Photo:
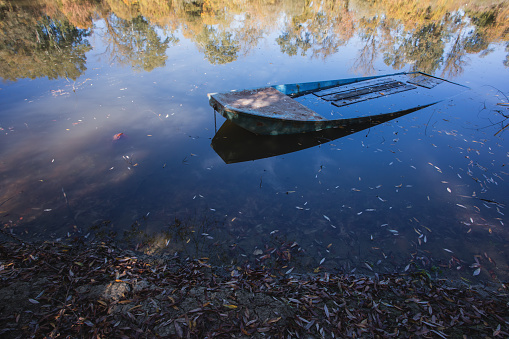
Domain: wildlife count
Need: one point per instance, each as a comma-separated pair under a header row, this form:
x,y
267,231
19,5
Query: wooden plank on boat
x,y
266,102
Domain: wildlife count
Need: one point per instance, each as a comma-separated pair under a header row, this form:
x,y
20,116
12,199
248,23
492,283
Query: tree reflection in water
x,y
34,45
41,38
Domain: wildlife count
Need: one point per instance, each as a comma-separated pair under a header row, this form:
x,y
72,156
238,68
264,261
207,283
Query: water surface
x,y
105,121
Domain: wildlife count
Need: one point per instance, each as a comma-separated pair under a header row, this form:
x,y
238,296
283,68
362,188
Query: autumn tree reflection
x,y
219,47
136,43
321,28
33,45
48,37
424,49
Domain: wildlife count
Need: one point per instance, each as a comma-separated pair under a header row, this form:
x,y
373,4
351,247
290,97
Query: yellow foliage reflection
x,y
428,35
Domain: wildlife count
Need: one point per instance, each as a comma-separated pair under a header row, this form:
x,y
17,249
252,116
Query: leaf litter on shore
x,y
116,293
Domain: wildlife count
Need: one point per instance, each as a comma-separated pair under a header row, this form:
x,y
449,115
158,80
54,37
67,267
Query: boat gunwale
x,y
287,90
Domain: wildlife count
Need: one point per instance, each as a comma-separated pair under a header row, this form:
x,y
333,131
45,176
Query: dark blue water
x,y
426,190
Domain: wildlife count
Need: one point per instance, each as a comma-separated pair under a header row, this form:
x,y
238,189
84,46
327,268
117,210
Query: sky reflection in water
x,y
427,189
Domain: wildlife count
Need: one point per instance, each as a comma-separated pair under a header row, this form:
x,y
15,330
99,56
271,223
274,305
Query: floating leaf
x,y
118,136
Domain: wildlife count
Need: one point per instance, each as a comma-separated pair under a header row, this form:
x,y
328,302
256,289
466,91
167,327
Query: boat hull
x,y
273,126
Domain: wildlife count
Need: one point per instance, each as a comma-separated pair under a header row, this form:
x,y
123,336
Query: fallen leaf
x,y
118,136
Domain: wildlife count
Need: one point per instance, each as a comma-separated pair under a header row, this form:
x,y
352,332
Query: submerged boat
x,y
235,144
315,106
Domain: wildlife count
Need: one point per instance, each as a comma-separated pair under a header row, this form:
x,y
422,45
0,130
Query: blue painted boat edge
x,y
299,88
306,87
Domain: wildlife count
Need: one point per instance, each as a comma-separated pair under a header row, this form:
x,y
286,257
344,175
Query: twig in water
x,y
3,202
429,121
503,128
